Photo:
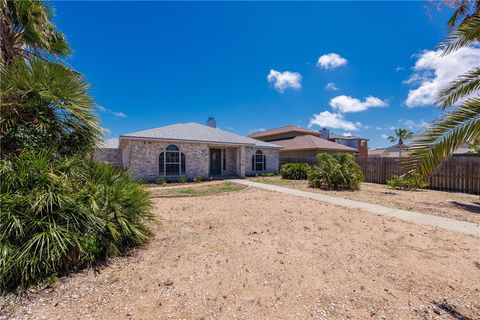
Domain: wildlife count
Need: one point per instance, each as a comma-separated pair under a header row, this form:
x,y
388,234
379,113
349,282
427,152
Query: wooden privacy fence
x,y
460,174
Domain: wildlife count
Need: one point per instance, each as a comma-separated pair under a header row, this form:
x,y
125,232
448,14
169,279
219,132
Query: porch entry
x,y
215,162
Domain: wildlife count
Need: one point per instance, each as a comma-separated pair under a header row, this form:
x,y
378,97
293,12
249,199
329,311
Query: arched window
x,y
171,162
259,161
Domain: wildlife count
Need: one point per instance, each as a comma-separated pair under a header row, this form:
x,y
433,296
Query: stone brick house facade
x,y
190,150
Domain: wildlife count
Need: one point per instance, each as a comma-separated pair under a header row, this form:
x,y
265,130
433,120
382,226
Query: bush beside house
x,y
295,171
61,213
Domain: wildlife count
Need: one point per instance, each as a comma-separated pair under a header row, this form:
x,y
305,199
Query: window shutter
x,y
253,163
264,163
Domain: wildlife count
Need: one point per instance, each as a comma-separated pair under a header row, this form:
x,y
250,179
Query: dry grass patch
x,y
191,190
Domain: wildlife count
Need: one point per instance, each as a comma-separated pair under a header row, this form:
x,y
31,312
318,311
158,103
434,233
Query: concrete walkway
x,y
417,217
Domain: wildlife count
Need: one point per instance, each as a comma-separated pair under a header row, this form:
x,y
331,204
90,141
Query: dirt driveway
x,y
256,254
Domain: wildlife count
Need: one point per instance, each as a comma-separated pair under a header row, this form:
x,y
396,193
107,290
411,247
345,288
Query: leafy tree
x,y
45,104
26,31
460,99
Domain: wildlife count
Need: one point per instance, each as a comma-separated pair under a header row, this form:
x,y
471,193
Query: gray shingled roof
x,y
193,131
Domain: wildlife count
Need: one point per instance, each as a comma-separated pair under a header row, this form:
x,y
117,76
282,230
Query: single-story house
x,y
300,144
402,149
191,150
390,152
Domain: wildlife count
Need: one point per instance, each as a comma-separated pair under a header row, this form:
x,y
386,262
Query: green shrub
x,y
266,174
58,214
182,179
161,181
197,179
336,172
407,181
295,171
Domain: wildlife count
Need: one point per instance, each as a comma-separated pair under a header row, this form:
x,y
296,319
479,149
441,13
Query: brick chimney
x,y
211,122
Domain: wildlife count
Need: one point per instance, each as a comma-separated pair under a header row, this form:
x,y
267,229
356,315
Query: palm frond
x,y
466,33
444,136
462,86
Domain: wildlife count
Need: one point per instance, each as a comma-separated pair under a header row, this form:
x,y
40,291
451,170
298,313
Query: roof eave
x,y
199,141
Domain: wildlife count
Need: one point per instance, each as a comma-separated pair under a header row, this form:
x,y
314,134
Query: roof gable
x,y
309,142
282,130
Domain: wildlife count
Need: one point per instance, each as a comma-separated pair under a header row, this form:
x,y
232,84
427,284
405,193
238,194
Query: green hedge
x,y
295,171
58,214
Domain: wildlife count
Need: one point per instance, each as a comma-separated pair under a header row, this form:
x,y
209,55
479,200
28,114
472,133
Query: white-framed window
x,y
171,162
259,161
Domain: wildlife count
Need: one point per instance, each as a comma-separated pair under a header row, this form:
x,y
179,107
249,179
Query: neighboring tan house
x,y
191,150
394,151
398,150
358,143
299,143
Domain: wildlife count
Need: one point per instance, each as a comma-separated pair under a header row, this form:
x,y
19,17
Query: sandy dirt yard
x,y
459,206
256,254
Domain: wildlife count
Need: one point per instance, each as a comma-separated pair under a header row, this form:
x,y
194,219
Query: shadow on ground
x,y
472,207
451,310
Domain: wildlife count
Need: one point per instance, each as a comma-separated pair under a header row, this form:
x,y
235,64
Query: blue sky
x,y
153,64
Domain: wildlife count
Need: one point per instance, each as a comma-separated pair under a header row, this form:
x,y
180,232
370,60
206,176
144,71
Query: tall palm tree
x,y
26,30
460,100
401,135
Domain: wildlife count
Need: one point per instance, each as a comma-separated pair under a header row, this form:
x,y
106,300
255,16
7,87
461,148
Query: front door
x,y
215,162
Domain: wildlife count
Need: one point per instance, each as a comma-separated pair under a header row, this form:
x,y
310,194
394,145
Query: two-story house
x,y
300,144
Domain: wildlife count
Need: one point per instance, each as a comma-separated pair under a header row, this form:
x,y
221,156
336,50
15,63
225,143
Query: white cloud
x,y
119,114
115,113
384,136
331,61
284,80
333,120
413,125
331,86
345,104
432,73
378,128
399,68
346,134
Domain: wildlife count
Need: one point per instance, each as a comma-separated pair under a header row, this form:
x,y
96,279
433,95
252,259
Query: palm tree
x,y
401,135
26,31
460,100
45,104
